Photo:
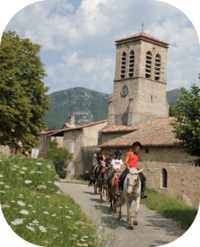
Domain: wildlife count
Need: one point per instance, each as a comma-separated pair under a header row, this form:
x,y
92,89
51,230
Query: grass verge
x,y
171,208
36,209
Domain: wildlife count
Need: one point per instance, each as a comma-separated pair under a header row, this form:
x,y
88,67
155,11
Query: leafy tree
x,y
172,111
58,155
187,124
23,101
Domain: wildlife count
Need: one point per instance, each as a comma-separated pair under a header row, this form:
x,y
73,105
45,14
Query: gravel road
x,y
152,230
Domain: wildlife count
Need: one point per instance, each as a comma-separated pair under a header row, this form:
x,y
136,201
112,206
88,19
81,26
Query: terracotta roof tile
x,y
157,131
141,34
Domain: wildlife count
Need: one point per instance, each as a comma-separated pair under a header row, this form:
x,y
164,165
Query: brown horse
x,y
112,188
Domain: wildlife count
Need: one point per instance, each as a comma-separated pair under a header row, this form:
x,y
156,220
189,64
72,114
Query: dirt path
x,y
153,230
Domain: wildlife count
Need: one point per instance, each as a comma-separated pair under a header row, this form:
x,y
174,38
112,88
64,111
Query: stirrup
x,y
143,196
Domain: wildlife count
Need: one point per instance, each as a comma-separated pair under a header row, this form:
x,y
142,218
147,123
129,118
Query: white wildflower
x,y
38,197
17,222
35,222
43,186
85,236
7,186
60,232
30,228
83,226
21,203
83,240
47,196
24,168
34,211
30,206
49,166
31,172
27,181
2,183
2,192
5,206
58,192
15,166
42,229
24,212
67,216
55,229
57,183
38,163
49,182
79,244
66,207
46,242
60,207
53,215
12,201
50,205
85,244
38,172
21,195
30,224
22,172
45,212
1,176
0,160
13,169
76,227
77,223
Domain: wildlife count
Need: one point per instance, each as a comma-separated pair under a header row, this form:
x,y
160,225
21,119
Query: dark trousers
x,y
110,175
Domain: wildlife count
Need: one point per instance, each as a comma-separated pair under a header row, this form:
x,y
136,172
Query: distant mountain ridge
x,y
87,106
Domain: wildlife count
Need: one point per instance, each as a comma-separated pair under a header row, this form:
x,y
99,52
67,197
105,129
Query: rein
x,y
135,187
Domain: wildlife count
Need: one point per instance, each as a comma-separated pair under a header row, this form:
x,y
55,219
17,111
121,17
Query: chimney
x,y
72,120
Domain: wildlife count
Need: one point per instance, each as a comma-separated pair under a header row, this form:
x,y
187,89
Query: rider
x,y
107,164
100,158
116,166
131,161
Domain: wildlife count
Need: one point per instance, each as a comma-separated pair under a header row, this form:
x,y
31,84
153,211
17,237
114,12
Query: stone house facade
x,y
81,141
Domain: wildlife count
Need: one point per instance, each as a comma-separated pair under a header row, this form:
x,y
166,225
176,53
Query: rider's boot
x,y
143,196
105,183
118,193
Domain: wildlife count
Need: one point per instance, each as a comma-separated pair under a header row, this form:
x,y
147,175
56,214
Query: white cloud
x,y
86,37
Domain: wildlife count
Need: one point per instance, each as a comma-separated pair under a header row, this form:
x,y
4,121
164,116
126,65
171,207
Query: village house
x,y
80,140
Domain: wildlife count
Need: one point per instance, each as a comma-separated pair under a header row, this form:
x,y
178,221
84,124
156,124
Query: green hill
x,y
87,106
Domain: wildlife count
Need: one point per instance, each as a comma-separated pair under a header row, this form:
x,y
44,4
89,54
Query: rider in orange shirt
x,y
131,161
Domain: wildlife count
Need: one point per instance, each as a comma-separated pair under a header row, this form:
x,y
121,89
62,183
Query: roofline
x,y
144,145
81,127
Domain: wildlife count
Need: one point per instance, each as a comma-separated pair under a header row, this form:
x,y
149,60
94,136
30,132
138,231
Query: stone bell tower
x,y
140,80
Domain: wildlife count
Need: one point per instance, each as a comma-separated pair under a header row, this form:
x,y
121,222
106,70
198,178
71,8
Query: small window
x,y
45,137
164,178
43,150
146,150
72,147
131,63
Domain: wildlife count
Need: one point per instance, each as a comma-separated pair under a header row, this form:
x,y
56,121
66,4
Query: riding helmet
x,y
118,152
135,144
98,153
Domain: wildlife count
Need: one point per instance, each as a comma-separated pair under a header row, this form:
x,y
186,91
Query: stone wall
x,y
183,178
105,137
89,144
72,140
43,145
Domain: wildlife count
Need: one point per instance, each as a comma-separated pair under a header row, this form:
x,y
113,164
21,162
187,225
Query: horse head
x,y
132,181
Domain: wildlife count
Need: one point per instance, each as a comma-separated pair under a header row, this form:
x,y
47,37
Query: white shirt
x,y
116,163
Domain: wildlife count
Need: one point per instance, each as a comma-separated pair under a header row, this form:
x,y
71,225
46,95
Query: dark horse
x,y
95,180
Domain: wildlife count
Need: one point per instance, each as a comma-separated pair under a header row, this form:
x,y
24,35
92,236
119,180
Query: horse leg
x,y
135,222
95,187
120,209
130,226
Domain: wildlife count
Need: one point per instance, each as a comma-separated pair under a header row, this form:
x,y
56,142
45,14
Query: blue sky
x,y
77,39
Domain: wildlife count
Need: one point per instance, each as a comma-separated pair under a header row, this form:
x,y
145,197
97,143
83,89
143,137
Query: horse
x,y
95,180
100,183
112,188
131,191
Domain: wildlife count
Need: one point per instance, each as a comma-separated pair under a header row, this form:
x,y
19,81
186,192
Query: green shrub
x,y
63,174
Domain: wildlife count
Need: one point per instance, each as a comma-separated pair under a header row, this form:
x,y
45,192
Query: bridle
x,y
135,187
